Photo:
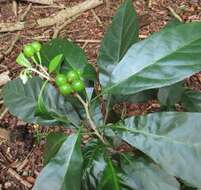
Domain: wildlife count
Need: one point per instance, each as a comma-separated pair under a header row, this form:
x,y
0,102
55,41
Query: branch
x,y
43,2
14,174
175,14
60,17
4,78
14,41
92,124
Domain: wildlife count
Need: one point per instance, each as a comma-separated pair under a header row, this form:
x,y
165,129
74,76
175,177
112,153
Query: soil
x,y
23,153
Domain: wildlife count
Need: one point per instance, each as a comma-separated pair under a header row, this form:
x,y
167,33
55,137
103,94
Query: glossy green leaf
x,y
170,95
89,93
55,63
23,61
89,72
21,100
110,179
165,58
122,33
140,97
173,23
63,172
96,112
191,101
171,139
40,106
54,141
74,56
138,174
94,165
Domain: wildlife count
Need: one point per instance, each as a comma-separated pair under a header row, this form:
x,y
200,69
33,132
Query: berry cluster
x,y
30,49
70,83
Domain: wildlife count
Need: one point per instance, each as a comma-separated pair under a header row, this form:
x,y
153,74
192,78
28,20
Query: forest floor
x,y
21,145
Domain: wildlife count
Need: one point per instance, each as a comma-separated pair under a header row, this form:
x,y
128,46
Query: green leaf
x,y
21,100
40,107
171,139
110,179
191,101
55,62
63,172
96,112
120,36
170,95
94,164
23,61
140,174
89,93
173,23
165,58
89,72
74,56
54,141
140,97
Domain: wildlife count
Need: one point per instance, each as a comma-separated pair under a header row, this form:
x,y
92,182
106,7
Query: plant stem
x,y
92,124
43,70
39,73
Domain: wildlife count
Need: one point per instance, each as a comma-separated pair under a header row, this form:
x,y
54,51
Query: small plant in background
x,y
57,88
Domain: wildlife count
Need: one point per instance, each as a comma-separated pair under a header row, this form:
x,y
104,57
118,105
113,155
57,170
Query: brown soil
x,y
23,154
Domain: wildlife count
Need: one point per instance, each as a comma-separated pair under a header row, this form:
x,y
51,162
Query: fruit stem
x,y
92,124
39,73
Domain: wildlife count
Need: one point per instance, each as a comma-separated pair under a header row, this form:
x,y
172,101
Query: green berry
x,y
72,76
65,89
79,73
60,79
78,85
28,50
36,45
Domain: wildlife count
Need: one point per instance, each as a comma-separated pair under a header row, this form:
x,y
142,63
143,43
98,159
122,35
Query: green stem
x,y
92,124
39,57
43,70
40,74
34,60
39,64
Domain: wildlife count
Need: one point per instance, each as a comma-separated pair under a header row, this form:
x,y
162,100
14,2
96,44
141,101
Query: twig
x,y
143,36
17,37
107,3
23,16
150,3
60,17
84,45
88,40
3,113
11,27
4,78
41,74
175,14
24,163
43,2
96,17
49,6
14,174
15,7
92,124
59,28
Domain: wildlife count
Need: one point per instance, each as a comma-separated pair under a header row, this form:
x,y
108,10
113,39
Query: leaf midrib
x,y
70,156
158,136
155,62
114,177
